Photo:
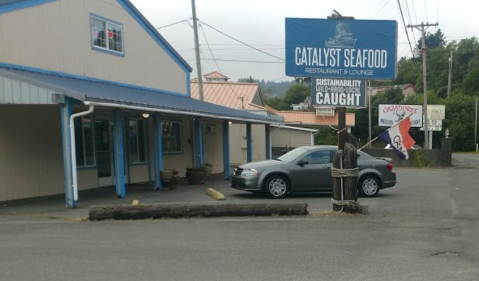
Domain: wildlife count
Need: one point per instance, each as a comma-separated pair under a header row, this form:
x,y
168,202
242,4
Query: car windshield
x,y
292,155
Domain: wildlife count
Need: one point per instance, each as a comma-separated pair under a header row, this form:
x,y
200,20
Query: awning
x,y
110,94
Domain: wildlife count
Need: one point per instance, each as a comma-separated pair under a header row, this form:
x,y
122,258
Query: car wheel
x,y
276,186
369,186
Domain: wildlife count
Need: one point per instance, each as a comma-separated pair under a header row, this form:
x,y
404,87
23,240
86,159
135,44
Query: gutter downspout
x,y
73,149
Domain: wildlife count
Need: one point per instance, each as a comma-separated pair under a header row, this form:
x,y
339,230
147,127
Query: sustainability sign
x,y
338,92
341,48
390,114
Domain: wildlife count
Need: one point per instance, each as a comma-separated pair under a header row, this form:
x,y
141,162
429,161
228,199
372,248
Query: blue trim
x,y
85,78
226,149
198,142
188,85
267,134
118,153
96,48
66,112
158,156
143,22
22,5
249,143
148,148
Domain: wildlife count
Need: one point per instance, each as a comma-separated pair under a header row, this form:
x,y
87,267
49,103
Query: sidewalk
x,y
53,207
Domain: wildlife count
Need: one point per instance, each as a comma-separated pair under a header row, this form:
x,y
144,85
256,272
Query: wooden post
x,y
337,162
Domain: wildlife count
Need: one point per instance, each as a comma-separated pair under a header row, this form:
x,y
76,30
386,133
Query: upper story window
x,y
107,35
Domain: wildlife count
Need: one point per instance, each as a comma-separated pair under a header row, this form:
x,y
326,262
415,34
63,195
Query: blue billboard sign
x,y
341,48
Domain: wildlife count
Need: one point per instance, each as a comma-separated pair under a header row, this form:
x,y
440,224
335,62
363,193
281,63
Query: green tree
x,y
433,40
296,94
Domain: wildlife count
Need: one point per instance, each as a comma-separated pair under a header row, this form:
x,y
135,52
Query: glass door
x,y
104,151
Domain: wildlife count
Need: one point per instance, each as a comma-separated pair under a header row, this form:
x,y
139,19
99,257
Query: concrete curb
x,y
215,194
185,210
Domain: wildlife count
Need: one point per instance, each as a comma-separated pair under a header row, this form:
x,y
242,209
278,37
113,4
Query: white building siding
x,y
57,36
238,143
16,92
282,137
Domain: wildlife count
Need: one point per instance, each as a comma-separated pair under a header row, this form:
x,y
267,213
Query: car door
x,y
313,171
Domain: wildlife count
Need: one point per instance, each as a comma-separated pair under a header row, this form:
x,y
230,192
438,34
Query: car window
x,y
364,156
292,155
318,157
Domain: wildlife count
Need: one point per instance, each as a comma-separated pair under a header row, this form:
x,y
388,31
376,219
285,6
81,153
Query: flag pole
x,y
394,126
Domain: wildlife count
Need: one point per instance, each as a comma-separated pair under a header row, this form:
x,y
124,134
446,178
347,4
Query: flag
x,y
398,137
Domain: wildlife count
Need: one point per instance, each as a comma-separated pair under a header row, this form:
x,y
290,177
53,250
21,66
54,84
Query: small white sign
x,y
390,114
436,112
433,125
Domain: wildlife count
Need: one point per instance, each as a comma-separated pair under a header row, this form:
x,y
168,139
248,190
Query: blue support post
x,y
118,151
66,112
267,135
198,142
226,149
157,149
249,143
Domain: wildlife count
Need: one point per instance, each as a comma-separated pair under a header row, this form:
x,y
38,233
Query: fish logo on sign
x,y
343,37
400,115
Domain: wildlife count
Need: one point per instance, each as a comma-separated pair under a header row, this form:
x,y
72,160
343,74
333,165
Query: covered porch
x,y
114,134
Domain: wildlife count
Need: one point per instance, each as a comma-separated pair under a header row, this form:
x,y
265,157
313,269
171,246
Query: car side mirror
x,y
303,162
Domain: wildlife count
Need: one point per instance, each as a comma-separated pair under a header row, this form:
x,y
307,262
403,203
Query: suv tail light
x,y
390,166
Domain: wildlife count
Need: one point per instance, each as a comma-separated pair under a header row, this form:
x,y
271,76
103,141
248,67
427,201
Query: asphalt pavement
x,y
425,228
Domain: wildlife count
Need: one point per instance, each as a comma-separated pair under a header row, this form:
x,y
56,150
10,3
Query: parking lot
x,y
412,185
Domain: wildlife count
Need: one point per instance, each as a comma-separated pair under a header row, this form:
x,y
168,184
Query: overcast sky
x,y
261,23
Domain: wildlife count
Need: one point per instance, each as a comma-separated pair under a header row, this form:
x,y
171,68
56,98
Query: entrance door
x,y
104,151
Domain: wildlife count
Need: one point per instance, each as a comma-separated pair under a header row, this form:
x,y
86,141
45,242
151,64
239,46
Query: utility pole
x,y
422,27
449,80
369,110
197,52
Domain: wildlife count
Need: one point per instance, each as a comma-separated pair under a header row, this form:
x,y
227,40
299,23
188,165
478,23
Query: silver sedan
x,y
308,169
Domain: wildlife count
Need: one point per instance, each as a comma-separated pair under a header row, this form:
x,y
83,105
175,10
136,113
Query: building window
x,y
84,141
171,137
136,138
107,35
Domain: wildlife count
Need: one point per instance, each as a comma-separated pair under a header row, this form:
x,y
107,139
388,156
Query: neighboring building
x,y
248,97
302,106
407,89
102,66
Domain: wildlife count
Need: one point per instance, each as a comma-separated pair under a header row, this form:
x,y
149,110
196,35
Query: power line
x,y
405,28
380,9
211,52
425,9
409,16
239,41
171,24
414,7
246,61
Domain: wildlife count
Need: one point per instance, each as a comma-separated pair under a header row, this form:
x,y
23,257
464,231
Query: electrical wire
x,y
211,52
409,16
380,9
246,61
405,28
239,41
425,9
171,24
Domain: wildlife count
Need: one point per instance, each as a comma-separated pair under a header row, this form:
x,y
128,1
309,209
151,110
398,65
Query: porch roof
x,y
111,94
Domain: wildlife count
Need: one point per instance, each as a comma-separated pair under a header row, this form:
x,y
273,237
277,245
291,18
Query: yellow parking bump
x,y
215,194
135,202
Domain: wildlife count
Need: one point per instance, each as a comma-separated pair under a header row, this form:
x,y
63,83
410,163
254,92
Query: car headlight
x,y
249,173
